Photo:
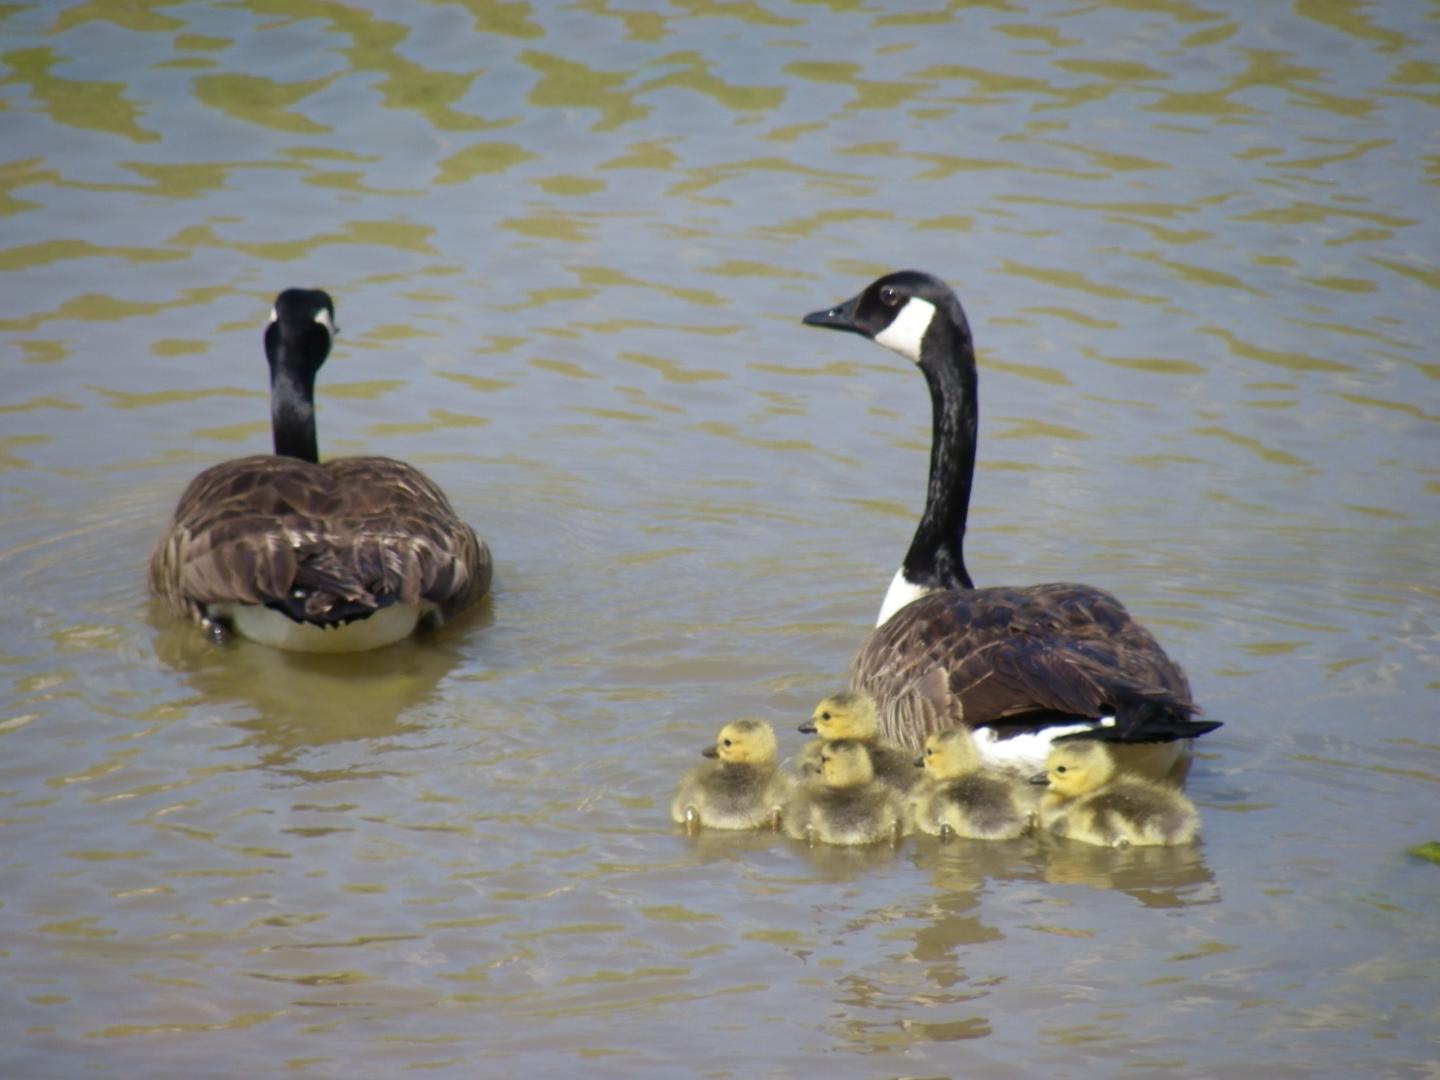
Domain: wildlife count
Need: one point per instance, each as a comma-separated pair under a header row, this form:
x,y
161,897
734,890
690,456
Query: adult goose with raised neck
x,y
342,556
1020,666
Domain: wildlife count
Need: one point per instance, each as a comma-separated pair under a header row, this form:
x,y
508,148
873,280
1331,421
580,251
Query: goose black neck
x,y
292,395
936,559
292,418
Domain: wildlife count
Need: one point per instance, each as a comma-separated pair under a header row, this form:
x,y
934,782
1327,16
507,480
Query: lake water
x,y
570,246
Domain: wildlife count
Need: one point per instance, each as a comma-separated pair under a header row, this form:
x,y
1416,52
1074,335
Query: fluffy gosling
x,y
1087,800
742,789
853,716
959,797
845,803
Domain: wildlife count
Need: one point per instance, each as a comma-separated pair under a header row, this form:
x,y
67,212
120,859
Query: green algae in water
x,y
1429,850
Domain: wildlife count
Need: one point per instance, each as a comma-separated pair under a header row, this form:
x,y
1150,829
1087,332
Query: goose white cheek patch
x,y
907,329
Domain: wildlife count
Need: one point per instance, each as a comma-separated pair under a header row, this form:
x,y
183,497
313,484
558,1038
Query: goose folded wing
x,y
1014,656
241,531
409,544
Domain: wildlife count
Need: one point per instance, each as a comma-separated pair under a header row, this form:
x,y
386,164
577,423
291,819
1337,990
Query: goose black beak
x,y
1040,778
807,728
919,763
841,317
711,751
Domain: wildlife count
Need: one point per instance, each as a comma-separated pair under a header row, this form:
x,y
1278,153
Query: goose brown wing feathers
x,y
320,542
1014,655
407,536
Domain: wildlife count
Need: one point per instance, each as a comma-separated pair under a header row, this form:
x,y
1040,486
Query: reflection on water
x,y
298,701
570,247
1158,877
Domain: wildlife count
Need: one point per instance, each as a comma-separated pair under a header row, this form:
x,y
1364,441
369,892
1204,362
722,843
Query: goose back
x,y
1020,659
320,543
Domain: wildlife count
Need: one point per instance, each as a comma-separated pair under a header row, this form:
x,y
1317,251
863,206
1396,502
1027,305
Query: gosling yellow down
x,y
845,803
1086,799
742,789
959,797
853,716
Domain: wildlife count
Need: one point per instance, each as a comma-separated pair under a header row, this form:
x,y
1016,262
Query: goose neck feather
x,y
936,558
292,416
297,343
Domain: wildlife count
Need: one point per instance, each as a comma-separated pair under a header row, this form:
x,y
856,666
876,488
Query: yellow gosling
x,y
1087,799
742,789
959,797
845,803
854,717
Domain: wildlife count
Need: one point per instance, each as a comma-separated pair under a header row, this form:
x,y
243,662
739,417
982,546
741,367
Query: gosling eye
x,y
929,752
727,742
1058,768
824,716
888,296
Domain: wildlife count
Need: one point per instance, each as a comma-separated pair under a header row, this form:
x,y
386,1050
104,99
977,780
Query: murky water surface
x,y
570,246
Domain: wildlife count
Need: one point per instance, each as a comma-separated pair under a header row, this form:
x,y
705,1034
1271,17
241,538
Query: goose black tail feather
x,y
327,592
303,606
1140,720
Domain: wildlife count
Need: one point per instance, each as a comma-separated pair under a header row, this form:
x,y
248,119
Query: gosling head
x,y
846,764
1075,768
850,715
744,742
950,753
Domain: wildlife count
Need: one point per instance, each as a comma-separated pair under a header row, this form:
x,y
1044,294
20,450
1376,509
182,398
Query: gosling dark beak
x,y
841,317
1040,778
807,728
711,751
919,763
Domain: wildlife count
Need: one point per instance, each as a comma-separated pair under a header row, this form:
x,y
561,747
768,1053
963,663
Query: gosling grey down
x,y
340,557
1020,665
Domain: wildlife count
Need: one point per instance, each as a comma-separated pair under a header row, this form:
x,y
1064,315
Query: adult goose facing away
x,y
340,557
1020,666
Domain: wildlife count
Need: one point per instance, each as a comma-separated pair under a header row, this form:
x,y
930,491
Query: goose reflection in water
x,y
301,701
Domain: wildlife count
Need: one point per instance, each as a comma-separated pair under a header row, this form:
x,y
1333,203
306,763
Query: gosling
x,y
743,789
853,716
845,803
1088,800
959,797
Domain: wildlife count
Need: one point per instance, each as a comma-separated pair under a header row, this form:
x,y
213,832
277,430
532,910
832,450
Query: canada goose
x,y
852,716
743,789
959,797
1019,666
1086,799
340,557
845,804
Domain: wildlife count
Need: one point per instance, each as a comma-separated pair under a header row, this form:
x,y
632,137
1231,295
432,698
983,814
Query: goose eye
x,y
929,752
824,716
1059,768
727,742
888,296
